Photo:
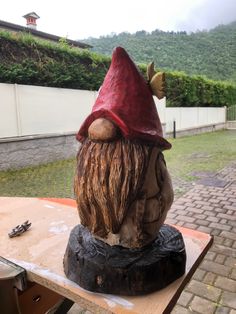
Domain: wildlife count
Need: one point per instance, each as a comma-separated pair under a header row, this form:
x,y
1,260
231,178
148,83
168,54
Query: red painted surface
x,y
63,201
44,250
31,20
193,233
126,99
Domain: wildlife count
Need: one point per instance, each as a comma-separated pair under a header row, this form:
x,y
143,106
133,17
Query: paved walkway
x,y
209,207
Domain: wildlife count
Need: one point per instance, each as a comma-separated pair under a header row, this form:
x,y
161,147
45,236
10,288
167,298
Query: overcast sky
x,y
77,19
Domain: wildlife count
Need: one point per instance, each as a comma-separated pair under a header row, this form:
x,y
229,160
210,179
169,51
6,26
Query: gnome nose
x,y
102,129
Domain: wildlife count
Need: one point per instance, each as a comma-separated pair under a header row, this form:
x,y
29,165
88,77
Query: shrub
x,y
27,60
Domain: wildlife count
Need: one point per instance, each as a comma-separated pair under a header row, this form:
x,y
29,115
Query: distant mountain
x,y
209,53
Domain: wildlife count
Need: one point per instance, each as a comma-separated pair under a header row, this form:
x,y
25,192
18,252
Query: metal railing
x,y
231,113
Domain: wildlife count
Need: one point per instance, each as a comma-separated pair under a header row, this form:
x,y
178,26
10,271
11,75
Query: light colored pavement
x,y
211,207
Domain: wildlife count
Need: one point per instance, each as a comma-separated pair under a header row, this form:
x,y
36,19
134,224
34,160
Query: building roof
x,y
43,35
32,14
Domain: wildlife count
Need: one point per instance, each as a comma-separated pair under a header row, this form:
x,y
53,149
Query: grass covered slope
x,y
209,53
208,152
25,59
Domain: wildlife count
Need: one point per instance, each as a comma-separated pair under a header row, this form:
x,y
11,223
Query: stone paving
x,y
209,207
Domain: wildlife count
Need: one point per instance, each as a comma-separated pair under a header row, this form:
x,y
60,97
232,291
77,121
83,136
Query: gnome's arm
x,y
148,212
167,188
166,192
159,194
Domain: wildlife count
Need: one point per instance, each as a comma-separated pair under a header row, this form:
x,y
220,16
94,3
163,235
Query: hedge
x,y
27,60
196,91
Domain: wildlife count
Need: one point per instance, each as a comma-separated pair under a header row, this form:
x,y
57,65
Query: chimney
x,y
31,20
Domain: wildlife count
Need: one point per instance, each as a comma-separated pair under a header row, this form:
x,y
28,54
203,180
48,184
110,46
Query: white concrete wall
x,y
161,108
32,110
8,111
193,117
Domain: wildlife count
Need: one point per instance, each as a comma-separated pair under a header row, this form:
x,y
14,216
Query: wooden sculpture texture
x,y
122,186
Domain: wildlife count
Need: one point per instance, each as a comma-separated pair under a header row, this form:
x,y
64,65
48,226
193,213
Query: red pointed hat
x,y
126,100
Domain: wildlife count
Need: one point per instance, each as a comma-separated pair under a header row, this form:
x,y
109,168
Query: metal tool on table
x,y
19,229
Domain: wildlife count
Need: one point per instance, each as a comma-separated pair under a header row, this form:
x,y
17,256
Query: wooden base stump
x,y
99,267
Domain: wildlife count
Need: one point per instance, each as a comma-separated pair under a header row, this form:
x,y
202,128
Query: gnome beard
x,y
123,191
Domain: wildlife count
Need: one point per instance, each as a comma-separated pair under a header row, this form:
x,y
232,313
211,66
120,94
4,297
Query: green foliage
x,y
26,60
63,42
186,91
210,53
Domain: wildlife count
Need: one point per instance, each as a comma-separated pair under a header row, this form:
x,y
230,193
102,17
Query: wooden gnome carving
x,y
122,186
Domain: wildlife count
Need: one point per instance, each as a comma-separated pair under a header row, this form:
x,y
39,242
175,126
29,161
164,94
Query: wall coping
x,y
197,127
39,136
34,137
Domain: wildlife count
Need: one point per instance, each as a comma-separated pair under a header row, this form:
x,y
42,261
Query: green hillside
x,y
209,53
